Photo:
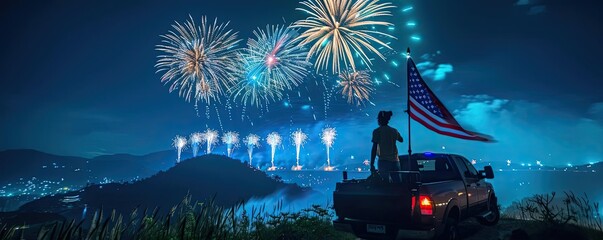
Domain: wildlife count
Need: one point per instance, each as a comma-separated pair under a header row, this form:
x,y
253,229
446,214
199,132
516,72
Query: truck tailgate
x,y
373,202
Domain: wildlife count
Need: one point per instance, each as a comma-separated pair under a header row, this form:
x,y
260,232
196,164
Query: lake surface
x,y
509,185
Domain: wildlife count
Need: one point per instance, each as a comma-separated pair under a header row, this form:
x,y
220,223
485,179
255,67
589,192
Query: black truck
x,y
434,192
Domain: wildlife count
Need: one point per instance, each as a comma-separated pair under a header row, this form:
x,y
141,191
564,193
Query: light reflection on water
x,y
509,185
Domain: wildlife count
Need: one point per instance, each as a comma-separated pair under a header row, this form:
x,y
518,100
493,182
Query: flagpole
x,y
408,105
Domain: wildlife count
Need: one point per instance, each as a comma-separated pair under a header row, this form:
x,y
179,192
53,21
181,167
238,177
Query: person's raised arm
x,y
373,156
400,139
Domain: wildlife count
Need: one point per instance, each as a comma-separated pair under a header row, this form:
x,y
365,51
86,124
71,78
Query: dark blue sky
x,y
78,78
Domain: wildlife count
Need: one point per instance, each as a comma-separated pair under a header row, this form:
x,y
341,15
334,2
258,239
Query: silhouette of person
x,y
384,146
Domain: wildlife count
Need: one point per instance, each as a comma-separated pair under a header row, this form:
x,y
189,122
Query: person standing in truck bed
x,y
384,146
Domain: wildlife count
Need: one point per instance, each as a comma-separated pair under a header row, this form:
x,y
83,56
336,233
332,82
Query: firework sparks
x,y
338,28
273,139
252,141
231,139
356,86
210,137
251,91
299,138
180,144
328,138
199,61
196,139
273,62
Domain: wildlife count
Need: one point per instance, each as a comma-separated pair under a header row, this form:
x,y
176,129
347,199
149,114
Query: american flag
x,y
427,109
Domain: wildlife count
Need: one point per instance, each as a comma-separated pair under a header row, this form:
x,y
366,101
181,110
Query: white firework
x,y
328,138
180,144
196,139
274,140
210,137
231,139
252,141
299,138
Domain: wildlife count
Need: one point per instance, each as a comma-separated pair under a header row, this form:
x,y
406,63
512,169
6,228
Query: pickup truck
x,y
433,193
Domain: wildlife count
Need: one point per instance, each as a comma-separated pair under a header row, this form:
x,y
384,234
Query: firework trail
x,y
196,139
231,139
180,144
273,140
199,61
328,138
273,62
252,141
210,137
337,29
356,86
299,138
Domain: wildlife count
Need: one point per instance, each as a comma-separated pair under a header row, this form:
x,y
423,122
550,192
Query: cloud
x,y
534,6
527,131
596,110
534,10
432,70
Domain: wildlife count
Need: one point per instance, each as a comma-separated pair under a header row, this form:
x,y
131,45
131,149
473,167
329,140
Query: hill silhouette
x,y
27,164
226,180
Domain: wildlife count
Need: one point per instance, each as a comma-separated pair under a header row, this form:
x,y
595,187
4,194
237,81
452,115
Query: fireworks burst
x,y
231,139
199,61
273,62
196,139
328,138
252,141
273,140
337,29
210,137
299,138
356,86
180,144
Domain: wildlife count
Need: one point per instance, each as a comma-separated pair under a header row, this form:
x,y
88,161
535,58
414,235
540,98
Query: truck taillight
x,y
426,205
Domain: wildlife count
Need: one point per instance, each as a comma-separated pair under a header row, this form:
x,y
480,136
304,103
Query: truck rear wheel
x,y
451,229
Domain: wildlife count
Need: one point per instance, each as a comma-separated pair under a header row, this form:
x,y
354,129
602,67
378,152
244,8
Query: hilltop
x,y
226,180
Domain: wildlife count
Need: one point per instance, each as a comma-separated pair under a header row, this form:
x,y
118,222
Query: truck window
x,y
434,165
434,170
470,167
461,165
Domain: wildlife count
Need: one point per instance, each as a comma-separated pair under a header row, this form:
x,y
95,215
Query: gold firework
x,y
356,86
199,61
339,28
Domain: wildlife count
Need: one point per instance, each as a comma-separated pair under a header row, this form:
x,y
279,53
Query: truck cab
x,y
426,200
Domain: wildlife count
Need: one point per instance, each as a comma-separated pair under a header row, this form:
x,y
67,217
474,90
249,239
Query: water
x,y
509,185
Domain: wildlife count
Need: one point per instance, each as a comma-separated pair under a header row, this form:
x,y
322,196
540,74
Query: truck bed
x,y
357,199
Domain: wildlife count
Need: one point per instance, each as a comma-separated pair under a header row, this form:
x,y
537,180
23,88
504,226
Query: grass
x,y
190,220
569,217
546,216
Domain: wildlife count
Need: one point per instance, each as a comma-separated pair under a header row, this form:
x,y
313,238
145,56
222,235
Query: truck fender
x,y
452,204
492,195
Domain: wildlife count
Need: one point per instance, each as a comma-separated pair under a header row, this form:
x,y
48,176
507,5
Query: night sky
x,y
78,78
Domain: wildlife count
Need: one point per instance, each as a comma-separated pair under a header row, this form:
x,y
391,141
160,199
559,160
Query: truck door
x,y
471,182
482,189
